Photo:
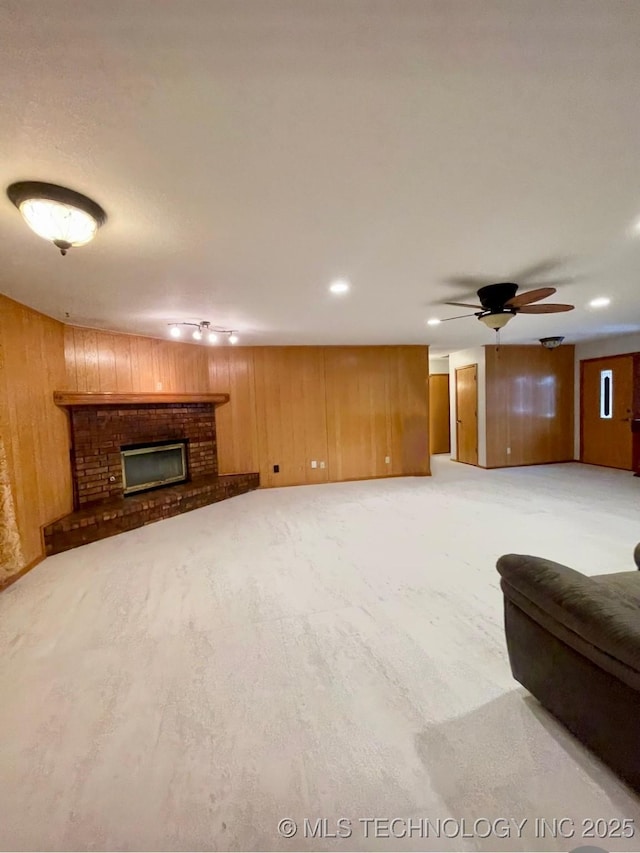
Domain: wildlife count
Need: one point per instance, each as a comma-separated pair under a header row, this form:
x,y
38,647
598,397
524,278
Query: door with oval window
x,y
606,411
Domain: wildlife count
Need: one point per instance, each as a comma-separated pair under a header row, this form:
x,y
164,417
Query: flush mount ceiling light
x,y
58,214
340,285
552,342
600,302
201,330
434,321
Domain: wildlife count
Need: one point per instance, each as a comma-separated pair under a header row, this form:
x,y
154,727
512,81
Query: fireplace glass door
x,y
150,467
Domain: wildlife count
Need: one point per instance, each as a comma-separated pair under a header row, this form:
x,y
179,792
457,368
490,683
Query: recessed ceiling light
x,y
600,302
434,321
175,332
340,285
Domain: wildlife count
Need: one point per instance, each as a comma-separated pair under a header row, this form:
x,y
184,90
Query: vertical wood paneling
x,y
105,361
231,371
439,423
357,412
291,414
347,406
408,404
122,352
34,430
377,407
530,393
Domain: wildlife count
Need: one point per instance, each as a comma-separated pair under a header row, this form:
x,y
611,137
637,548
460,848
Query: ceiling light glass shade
x,y
496,321
233,339
600,302
213,338
197,335
552,342
434,322
175,332
59,222
341,285
60,215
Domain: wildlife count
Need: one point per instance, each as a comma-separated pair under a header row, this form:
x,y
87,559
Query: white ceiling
x,y
249,152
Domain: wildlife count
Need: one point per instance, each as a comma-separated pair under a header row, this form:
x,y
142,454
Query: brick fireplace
x,y
98,434
102,426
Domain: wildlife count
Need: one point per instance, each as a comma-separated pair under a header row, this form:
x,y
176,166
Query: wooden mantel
x,y
74,398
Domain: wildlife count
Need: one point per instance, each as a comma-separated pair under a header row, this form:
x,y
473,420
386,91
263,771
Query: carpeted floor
x,y
317,652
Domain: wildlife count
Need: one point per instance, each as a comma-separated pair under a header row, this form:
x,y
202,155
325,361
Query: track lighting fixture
x,y
205,330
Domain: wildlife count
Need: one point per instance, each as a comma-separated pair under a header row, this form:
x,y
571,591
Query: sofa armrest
x,y
636,555
567,599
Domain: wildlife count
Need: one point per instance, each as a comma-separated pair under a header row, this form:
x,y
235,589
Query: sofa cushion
x,y
624,585
599,617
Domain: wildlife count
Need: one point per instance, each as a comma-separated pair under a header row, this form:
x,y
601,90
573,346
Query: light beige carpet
x,y
318,652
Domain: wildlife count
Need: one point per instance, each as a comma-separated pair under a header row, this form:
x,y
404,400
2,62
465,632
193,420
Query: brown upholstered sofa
x,y
574,643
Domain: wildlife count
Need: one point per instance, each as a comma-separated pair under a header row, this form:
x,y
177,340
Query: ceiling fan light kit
x,y
64,217
496,320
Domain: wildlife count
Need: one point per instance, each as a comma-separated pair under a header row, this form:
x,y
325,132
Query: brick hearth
x,y
99,431
98,521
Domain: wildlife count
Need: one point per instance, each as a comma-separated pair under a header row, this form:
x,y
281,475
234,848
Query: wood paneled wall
x,y
33,430
529,393
358,416
231,370
104,361
439,424
349,407
291,415
408,409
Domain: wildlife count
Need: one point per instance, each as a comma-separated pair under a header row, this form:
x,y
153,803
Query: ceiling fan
x,y
499,303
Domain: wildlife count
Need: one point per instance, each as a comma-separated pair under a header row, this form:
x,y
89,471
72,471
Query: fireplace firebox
x,y
153,465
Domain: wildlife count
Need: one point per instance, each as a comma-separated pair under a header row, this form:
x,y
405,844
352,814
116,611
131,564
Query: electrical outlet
x,y
387,460
508,451
158,386
322,464
314,464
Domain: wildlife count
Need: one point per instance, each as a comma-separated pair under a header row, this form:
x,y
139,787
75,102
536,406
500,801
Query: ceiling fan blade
x,y
539,270
469,282
464,305
554,282
530,296
549,308
459,317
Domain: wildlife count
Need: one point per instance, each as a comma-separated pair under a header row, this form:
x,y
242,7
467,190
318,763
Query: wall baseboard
x,y
526,464
345,480
9,581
